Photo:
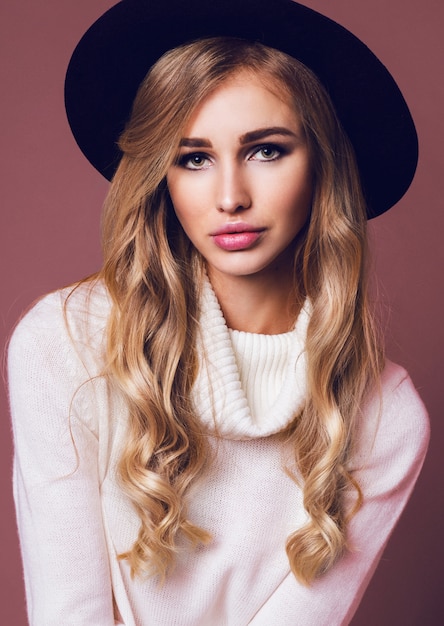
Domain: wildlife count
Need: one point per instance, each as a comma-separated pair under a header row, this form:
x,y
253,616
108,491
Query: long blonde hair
x,y
153,275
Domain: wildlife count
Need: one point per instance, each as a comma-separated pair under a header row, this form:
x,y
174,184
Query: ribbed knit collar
x,y
217,394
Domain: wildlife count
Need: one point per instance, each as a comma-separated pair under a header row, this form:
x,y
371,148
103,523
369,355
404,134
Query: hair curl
x,y
152,273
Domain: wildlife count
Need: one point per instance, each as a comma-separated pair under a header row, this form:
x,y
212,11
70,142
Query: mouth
x,y
236,228
237,236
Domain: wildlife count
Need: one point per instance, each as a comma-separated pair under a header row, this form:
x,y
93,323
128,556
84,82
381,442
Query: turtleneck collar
x,y
218,396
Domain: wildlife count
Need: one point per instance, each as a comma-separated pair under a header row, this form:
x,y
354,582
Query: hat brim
x,y
114,55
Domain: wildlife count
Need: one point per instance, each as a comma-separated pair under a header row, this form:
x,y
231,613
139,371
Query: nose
x,y
232,193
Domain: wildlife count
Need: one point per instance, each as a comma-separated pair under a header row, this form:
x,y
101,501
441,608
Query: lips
x,y
237,236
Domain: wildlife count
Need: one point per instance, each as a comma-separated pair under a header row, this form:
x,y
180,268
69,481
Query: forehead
x,y
244,99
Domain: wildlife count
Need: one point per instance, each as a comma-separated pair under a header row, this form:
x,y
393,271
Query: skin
x,y
244,165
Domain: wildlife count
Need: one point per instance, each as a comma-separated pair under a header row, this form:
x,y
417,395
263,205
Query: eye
x,y
268,152
194,161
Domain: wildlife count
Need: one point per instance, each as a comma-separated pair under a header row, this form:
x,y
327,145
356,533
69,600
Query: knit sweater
x,y
74,520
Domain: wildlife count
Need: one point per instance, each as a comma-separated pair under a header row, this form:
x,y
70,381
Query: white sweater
x,y
73,519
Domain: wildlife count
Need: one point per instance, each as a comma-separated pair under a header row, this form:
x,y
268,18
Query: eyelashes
x,y
194,161
200,160
267,152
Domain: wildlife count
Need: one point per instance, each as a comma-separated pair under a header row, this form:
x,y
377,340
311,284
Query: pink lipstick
x,y
237,236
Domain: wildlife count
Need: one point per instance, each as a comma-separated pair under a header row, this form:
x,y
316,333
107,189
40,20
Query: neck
x,y
261,303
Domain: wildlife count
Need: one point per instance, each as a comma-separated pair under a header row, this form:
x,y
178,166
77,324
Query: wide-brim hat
x,y
114,55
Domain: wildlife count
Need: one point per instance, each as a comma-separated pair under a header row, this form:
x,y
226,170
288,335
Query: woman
x,y
207,432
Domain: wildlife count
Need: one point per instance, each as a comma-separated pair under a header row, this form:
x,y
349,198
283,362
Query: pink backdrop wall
x,y
49,234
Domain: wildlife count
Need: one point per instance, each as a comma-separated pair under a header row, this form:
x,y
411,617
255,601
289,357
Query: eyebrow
x,y
262,133
251,136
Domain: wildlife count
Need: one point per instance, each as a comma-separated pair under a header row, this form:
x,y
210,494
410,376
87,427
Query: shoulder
x,y
65,326
394,428
402,409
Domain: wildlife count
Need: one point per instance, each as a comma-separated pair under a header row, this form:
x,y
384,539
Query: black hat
x,y
114,55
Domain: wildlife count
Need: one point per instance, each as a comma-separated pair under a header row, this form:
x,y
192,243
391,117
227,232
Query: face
x,y
241,183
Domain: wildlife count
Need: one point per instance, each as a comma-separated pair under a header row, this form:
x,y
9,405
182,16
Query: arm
x,y
56,481
387,466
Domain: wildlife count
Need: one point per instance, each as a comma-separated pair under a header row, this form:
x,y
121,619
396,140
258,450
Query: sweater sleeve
x,y
56,478
387,465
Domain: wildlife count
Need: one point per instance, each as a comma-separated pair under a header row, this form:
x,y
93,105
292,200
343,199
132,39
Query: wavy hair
x,y
153,276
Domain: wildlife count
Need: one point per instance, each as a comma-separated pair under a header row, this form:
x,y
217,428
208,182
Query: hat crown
x,y
117,51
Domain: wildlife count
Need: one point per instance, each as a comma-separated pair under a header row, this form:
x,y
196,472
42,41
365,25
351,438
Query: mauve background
x,y
49,232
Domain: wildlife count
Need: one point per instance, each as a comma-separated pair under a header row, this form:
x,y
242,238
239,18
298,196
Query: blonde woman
x,y
207,432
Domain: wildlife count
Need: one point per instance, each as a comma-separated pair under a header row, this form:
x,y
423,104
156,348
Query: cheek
x,y
183,216
187,196
173,185
291,190
298,202
185,211
178,194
